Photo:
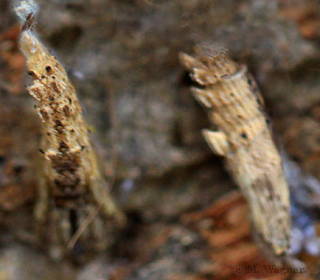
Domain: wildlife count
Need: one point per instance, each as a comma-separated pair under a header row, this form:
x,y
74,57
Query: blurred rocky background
x,y
122,56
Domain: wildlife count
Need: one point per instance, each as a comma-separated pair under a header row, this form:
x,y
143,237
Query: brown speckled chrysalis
x,y
70,185
244,139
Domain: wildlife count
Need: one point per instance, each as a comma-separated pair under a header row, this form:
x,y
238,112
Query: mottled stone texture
x,y
123,59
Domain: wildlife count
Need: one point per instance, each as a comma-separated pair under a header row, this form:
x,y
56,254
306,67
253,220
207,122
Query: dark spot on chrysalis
x,y
31,74
278,197
244,135
249,81
67,111
63,147
55,87
41,151
44,114
70,101
42,77
72,130
83,147
259,101
58,127
58,123
53,77
268,121
48,68
240,117
48,134
231,94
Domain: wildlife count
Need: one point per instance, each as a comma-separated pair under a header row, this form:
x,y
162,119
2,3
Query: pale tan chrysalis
x,y
71,185
244,139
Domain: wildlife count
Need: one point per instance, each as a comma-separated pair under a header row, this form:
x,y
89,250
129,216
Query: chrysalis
x,y
70,185
244,139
